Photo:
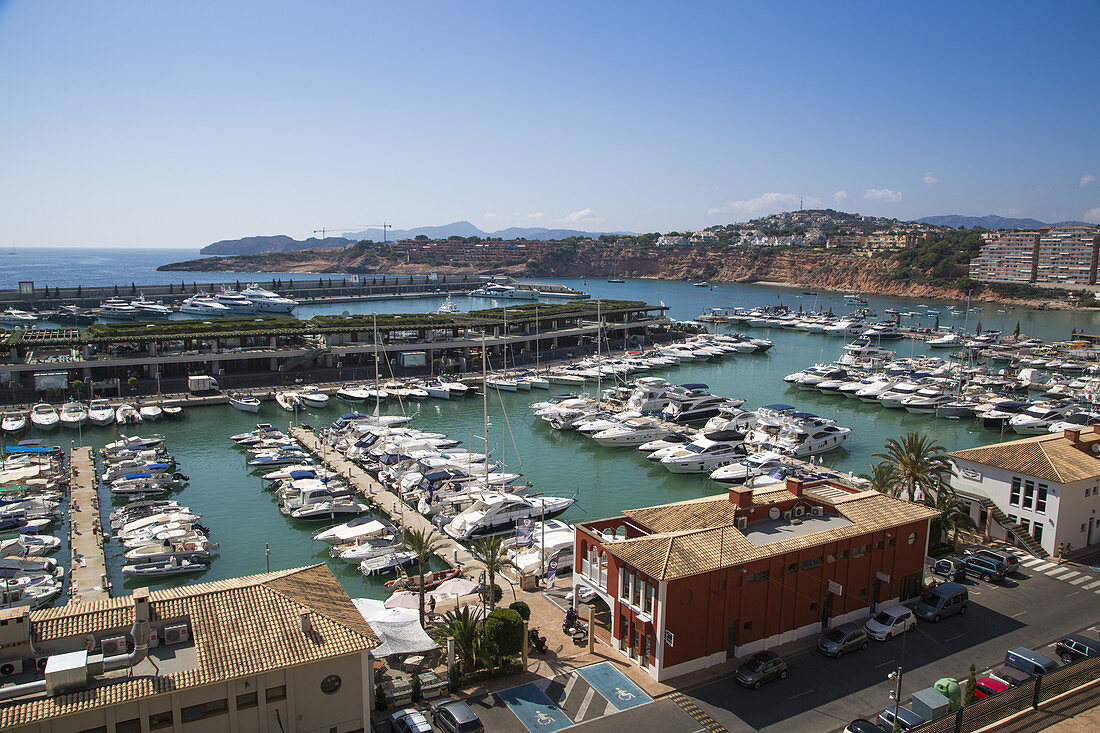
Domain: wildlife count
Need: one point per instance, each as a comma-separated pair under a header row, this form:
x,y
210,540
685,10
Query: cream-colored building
x,y
283,651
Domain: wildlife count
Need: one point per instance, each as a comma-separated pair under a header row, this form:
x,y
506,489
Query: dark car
x,y
1006,558
760,668
841,640
409,720
1075,646
455,716
859,725
985,568
952,568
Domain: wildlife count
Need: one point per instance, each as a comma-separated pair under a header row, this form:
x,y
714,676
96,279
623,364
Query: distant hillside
x,y
991,222
265,245
466,229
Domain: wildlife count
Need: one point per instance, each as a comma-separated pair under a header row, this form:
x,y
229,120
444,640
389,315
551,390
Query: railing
x,y
1028,696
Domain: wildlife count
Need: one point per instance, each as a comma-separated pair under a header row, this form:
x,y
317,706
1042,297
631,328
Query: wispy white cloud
x,y
930,179
1040,190
584,215
1087,180
840,196
1093,215
768,203
882,194
537,215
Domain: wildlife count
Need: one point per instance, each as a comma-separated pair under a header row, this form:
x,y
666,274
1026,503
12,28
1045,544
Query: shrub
x,y
498,593
414,685
504,632
508,667
379,698
522,609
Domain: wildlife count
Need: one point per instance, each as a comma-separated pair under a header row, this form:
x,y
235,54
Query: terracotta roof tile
x,y
1046,457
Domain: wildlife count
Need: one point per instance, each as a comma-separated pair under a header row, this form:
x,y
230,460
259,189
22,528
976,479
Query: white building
x,y
1045,488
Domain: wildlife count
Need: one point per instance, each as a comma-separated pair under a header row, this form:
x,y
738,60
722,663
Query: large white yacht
x,y
551,540
203,304
496,290
268,302
707,452
150,309
500,512
117,309
237,304
692,402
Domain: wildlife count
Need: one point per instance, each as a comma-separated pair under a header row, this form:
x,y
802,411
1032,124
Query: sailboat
x,y
612,278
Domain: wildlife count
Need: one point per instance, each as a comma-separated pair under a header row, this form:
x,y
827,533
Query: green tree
x,y
489,552
79,291
954,513
423,544
918,462
881,478
970,691
78,385
522,609
503,633
465,628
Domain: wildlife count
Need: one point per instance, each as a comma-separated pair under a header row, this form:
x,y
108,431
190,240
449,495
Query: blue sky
x,y
177,124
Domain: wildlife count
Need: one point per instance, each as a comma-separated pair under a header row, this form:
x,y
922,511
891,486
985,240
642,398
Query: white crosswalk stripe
x,y
1044,567
1065,574
1079,581
1090,586
588,697
1030,561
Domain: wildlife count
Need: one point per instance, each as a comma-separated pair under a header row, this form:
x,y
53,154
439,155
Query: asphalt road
x,y
821,694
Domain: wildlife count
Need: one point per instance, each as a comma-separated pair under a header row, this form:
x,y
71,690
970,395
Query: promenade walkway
x,y
88,576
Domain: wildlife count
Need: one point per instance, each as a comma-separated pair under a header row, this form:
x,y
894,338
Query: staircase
x,y
1022,537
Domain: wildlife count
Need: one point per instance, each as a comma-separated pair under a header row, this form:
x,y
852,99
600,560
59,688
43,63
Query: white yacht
x,y
313,398
1038,418
100,412
150,412
756,464
707,452
266,301
149,309
801,441
244,402
693,402
44,417
117,309
204,305
15,317
634,431
551,540
127,415
353,393
13,422
892,397
73,415
237,304
949,341
874,390
500,512
448,306
496,290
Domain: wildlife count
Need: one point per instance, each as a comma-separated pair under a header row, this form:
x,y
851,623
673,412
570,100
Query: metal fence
x,y
1028,696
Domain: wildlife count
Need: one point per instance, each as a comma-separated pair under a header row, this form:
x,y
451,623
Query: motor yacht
x,y
551,541
330,510
150,310
73,415
892,398
1037,419
313,398
691,403
447,307
265,301
352,531
236,303
756,464
150,412
799,442
13,422
100,412
203,304
353,393
16,317
633,431
926,400
244,402
497,290
948,341
127,415
388,563
44,417
707,452
500,512
117,309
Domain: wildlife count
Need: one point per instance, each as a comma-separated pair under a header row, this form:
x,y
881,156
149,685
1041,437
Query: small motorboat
x,y
13,422
150,412
244,402
127,415
432,580
329,510
44,417
100,412
352,531
288,400
387,563
164,568
171,409
313,398
73,415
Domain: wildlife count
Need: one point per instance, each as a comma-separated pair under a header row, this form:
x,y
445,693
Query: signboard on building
x,y
26,289
51,380
836,588
884,577
668,637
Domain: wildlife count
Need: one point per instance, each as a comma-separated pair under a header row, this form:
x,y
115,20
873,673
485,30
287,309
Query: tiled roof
x,y
240,627
701,545
702,513
1046,457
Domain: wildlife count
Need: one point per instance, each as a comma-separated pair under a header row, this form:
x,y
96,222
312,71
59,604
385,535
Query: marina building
x,y
282,651
696,583
1058,255
1038,492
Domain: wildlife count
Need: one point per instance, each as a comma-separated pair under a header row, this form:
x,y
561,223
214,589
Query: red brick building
x,y
692,584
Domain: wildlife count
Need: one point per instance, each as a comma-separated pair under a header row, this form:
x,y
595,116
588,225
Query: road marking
x,y
588,697
1079,581
795,697
1072,594
1090,586
884,664
568,688
957,636
1015,615
1045,567
1065,575
688,706
1030,561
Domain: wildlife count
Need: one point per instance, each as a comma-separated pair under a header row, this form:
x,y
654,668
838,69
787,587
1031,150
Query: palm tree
x,y
424,544
489,551
917,462
954,513
881,478
465,628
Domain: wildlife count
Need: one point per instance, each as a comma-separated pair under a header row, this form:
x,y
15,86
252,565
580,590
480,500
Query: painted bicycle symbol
x,y
624,694
543,719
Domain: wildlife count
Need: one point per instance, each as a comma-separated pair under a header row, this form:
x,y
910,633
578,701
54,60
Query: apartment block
x,y
1008,256
1062,255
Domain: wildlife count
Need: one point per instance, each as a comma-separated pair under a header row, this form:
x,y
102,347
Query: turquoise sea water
x,y
243,518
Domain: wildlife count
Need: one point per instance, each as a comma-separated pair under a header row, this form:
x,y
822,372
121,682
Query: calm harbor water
x,y
243,518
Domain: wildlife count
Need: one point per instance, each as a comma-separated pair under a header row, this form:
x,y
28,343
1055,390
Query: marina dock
x,y
88,576
450,551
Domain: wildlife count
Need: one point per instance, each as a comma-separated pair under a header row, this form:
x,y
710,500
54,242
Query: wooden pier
x,y
88,573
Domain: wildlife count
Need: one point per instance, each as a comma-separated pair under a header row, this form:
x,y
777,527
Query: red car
x,y
988,687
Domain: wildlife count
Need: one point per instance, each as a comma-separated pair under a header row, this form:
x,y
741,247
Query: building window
x,y
1041,499
636,595
100,729
862,592
861,551
813,562
649,593
758,577
792,568
1025,523
1029,494
1012,517
830,558
160,720
330,684
275,694
843,554
128,726
206,710
624,585
891,542
912,538
748,626
878,546
1014,495
247,700
1082,528
1037,531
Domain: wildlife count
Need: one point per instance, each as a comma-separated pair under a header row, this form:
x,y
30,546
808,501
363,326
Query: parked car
x,y
952,568
889,622
906,719
760,668
1030,661
943,600
841,640
859,725
1075,646
409,720
988,687
455,716
985,568
1004,557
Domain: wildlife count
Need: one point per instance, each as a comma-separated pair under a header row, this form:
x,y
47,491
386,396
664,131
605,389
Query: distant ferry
x,y
702,284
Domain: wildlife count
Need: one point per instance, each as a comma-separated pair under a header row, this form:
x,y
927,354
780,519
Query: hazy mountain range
x,y
990,222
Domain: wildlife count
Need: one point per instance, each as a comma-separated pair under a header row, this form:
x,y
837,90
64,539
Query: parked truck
x,y
199,384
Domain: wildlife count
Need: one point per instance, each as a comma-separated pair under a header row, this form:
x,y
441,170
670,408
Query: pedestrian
x,y
431,605
1061,553
1069,550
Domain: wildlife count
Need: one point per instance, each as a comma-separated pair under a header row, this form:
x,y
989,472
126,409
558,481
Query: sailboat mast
x,y
377,389
485,407
536,338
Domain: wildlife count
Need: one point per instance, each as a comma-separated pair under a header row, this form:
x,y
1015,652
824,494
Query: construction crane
x,y
324,230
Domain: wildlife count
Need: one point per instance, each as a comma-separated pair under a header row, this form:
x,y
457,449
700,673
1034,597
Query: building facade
x,y
1007,256
1058,255
1046,487
693,584
284,651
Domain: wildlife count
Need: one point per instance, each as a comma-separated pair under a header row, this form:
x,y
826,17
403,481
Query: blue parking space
x,y
614,685
534,709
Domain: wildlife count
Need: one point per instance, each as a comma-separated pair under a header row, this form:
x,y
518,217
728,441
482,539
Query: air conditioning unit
x,y
176,634
112,645
154,640
8,667
817,511
787,515
40,663
799,510
742,523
